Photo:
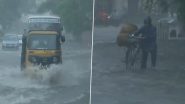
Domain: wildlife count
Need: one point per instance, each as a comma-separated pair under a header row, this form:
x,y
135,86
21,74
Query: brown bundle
x,y
122,39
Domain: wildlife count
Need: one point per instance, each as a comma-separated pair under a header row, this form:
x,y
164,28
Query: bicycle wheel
x,y
129,58
136,59
132,58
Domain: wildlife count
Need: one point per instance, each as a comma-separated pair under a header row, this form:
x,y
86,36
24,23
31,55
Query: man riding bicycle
x,y
148,44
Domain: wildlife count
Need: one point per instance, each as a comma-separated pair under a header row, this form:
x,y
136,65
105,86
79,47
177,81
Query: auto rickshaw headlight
x,y
32,59
55,59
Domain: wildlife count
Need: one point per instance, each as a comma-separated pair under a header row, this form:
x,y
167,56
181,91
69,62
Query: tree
x,y
155,7
169,6
11,10
180,11
76,14
133,7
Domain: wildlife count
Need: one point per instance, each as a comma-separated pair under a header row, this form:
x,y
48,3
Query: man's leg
x,y
154,57
144,59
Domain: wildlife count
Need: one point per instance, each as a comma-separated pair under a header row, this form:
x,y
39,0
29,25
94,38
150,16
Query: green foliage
x,y
164,5
155,6
9,11
180,10
76,14
172,6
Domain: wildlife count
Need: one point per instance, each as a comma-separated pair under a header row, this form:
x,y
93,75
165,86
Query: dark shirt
x,y
149,32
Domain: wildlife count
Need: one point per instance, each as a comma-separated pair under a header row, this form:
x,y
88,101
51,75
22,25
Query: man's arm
x,y
140,31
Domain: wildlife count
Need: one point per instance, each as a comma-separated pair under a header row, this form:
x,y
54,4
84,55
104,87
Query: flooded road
x,y
71,79
112,85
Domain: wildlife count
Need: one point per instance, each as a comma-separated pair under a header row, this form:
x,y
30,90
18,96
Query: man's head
x,y
148,20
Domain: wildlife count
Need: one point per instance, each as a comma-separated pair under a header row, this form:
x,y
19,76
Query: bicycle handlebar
x,y
136,37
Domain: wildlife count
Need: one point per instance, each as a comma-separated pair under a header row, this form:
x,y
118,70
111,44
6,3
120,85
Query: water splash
x,y
69,73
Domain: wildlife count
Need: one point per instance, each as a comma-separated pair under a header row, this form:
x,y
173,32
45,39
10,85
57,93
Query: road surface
x,y
71,87
112,85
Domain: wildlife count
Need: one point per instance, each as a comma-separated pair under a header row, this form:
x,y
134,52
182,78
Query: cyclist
x,y
148,44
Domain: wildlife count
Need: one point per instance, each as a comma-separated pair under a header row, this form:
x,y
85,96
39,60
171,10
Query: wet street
x,y
71,79
112,85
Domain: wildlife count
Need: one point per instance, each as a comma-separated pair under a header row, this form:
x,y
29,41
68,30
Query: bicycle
x,y
133,53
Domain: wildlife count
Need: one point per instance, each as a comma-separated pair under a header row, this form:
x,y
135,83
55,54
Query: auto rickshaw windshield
x,y
45,42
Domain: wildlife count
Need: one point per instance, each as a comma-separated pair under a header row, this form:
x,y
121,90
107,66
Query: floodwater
x,y
67,83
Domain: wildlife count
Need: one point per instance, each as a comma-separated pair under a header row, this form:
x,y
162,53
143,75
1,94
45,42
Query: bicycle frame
x,y
132,53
